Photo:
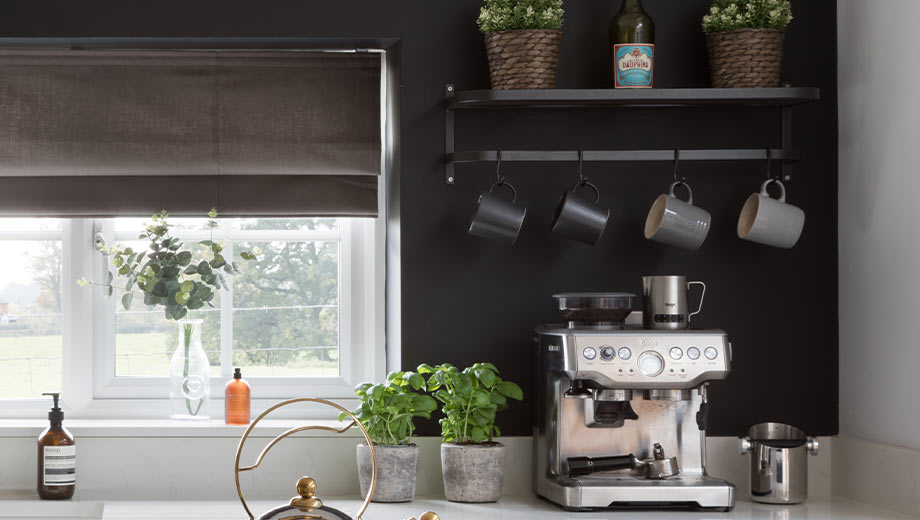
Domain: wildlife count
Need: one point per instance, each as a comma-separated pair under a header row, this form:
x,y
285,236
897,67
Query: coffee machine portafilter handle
x,y
586,465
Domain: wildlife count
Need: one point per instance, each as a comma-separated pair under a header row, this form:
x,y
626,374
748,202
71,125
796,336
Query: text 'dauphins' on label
x,y
60,463
635,65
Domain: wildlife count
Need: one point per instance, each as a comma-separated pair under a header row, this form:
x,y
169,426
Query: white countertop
x,y
509,508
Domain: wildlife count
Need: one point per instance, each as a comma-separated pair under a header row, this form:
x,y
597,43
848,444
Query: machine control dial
x,y
693,353
608,353
589,353
676,353
651,363
624,353
711,353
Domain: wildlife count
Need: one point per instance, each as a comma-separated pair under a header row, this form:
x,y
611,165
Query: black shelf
x,y
670,97
782,99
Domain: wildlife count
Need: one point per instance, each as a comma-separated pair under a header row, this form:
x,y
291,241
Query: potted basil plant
x,y
472,463
387,411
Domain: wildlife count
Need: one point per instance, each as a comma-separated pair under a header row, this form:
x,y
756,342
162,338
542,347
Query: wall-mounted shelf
x,y
783,98
665,97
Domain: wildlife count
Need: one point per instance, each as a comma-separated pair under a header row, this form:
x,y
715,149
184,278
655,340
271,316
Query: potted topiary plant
x,y
387,412
472,464
745,42
522,41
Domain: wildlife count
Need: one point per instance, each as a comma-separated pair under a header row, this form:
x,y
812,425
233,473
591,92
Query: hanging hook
x,y
676,163
770,175
581,177
498,169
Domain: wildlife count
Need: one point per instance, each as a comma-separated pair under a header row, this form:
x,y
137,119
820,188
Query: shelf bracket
x,y
787,141
448,134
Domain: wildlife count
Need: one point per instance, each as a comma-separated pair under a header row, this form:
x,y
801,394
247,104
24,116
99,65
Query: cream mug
x,y
770,221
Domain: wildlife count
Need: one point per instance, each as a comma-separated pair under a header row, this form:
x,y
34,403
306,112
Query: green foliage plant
x,y
727,15
387,410
169,276
469,398
507,15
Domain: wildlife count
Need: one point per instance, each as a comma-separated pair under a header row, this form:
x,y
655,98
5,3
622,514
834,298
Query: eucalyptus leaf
x,y
126,300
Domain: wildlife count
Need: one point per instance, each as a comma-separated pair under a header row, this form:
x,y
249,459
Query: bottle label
x,y
60,465
634,65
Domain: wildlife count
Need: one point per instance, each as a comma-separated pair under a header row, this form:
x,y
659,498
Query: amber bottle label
x,y
60,465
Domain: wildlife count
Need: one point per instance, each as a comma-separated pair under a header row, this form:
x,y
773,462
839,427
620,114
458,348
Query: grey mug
x,y
770,221
496,218
677,223
579,218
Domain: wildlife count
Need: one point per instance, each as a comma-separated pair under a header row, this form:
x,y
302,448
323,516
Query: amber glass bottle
x,y
236,400
57,458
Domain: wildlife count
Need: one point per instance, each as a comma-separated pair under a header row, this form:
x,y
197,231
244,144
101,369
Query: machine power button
x,y
650,363
589,353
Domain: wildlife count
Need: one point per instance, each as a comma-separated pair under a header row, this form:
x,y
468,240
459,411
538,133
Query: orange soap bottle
x,y
236,400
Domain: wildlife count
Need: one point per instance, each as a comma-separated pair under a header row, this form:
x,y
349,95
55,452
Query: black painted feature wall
x,y
466,300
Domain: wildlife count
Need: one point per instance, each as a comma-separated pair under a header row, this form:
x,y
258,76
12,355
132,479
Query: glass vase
x,y
189,375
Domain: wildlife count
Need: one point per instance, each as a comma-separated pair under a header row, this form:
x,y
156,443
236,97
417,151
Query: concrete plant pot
x,y
473,472
397,467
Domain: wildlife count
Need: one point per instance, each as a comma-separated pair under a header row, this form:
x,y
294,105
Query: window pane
x,y
30,313
292,224
285,310
145,340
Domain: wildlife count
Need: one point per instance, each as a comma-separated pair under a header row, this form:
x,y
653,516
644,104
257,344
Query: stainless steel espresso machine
x,y
622,410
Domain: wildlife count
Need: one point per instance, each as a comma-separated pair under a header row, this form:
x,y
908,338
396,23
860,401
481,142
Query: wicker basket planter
x,y
523,59
745,58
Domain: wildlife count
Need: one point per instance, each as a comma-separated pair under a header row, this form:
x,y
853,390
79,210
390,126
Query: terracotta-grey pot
x,y
397,467
473,472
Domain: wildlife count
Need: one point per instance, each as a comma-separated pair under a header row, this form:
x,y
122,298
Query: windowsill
x,y
165,428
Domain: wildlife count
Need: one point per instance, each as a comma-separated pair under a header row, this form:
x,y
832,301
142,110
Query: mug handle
x,y
501,183
684,184
782,189
702,295
597,192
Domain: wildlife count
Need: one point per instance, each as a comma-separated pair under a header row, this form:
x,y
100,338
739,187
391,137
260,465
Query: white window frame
x,y
90,388
352,236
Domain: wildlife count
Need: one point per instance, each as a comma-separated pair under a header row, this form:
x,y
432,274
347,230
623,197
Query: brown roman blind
x,y
127,133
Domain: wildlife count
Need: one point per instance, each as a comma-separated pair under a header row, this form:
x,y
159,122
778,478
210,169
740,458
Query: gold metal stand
x,y
306,499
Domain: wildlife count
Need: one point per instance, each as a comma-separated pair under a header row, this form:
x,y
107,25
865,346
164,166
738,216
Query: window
x,y
305,319
30,307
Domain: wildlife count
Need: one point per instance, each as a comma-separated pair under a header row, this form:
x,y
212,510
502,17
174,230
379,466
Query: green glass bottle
x,y
632,44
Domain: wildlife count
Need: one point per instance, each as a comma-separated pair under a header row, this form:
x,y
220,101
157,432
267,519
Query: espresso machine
x,y
622,410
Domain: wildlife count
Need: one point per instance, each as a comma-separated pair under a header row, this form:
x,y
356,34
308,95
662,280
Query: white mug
x,y
677,223
770,221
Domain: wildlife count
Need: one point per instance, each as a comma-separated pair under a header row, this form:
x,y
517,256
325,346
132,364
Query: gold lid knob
x,y
306,488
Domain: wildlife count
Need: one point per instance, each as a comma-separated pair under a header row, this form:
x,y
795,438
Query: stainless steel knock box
x,y
779,463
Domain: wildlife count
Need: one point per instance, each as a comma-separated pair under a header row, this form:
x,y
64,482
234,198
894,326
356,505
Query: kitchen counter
x,y
509,508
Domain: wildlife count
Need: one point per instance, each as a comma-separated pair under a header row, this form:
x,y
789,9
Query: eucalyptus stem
x,y
187,329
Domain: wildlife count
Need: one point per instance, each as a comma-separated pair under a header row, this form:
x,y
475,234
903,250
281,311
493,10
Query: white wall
x,y
879,228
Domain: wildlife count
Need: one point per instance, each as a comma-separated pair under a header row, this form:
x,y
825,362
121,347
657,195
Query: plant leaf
x,y
126,300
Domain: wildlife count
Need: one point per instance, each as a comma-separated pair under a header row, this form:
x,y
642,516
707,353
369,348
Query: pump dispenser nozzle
x,y
56,415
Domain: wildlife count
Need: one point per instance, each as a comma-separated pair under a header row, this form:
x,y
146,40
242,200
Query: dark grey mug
x,y
496,218
578,218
